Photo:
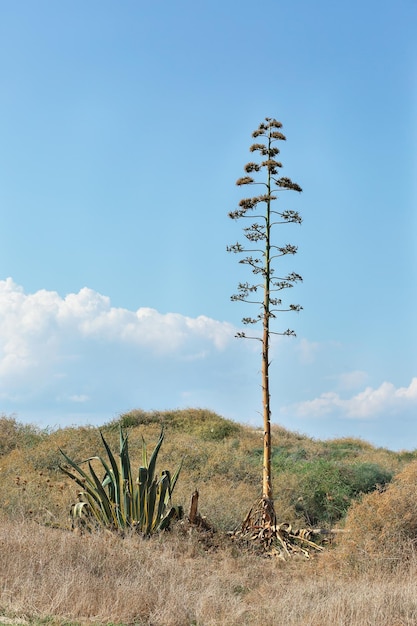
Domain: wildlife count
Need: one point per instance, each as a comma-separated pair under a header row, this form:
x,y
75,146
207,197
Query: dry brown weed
x,y
172,580
381,529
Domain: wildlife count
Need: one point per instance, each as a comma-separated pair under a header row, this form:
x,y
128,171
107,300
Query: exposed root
x,y
261,530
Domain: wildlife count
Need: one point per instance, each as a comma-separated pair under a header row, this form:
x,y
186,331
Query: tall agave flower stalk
x,y
262,255
118,501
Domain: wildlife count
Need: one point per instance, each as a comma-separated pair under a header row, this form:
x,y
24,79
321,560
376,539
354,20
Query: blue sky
x,y
123,128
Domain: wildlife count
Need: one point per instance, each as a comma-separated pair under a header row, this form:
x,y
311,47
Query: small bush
x,y
324,495
382,526
46,456
15,435
337,449
322,490
137,417
365,477
200,422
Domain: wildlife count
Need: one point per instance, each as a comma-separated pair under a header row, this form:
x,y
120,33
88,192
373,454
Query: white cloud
x,y
352,380
369,403
410,392
77,359
45,338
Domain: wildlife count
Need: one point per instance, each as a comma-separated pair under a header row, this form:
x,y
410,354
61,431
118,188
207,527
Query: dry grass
x,y
381,528
49,575
174,581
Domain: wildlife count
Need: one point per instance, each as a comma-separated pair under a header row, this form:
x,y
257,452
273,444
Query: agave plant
x,y
117,501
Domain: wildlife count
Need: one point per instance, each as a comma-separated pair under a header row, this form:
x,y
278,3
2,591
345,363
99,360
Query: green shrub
x,y
324,494
322,491
347,447
199,422
365,477
137,417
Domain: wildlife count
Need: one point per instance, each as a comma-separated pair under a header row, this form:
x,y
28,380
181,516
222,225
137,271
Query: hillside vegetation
x,y
315,481
366,576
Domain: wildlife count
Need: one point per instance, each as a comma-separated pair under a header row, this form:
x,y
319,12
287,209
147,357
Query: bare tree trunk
x,y
267,482
192,516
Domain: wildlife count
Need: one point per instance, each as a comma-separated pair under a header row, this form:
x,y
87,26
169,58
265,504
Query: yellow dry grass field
x,y
192,576
52,575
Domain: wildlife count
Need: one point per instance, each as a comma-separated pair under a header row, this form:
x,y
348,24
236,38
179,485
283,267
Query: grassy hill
x,y
52,576
314,481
